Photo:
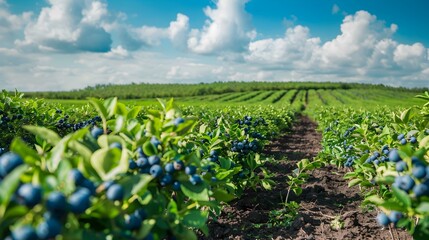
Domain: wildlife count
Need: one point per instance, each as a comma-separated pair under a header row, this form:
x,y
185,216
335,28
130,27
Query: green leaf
x,y
133,113
110,105
355,182
109,162
149,149
222,196
422,229
26,153
48,135
135,184
402,196
195,218
8,186
423,208
197,192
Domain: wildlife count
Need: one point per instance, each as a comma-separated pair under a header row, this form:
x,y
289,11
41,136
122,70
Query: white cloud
x,y
118,53
294,49
69,26
410,56
227,29
10,24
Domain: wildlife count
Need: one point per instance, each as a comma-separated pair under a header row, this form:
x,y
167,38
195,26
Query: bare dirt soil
x,y
329,209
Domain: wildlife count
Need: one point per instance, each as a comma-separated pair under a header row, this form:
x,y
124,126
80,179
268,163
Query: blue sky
x,y
70,44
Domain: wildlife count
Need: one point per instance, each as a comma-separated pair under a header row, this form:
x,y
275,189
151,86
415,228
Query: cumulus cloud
x,y
294,49
365,48
10,24
69,26
133,38
227,29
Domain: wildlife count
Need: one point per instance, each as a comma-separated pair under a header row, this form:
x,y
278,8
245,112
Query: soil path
x,y
326,202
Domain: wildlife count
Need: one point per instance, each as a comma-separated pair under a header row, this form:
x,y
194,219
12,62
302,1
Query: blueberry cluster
x,y
349,131
247,123
8,162
403,140
166,175
64,124
245,147
385,220
6,118
350,161
407,182
378,158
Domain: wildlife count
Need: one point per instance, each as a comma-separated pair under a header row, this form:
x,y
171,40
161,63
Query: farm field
x,y
239,161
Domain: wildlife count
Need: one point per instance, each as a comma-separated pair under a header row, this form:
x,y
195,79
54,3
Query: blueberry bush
x,y
387,156
126,172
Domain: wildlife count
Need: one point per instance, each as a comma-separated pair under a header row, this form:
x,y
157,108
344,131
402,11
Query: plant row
x,y
387,155
127,172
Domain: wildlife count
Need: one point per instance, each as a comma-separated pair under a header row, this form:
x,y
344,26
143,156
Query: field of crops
x,y
217,163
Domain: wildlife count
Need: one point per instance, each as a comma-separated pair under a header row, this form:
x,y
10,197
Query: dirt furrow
x,y
329,209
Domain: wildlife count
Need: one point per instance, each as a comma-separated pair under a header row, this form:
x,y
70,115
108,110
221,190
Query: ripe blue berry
x,y
404,182
382,219
401,166
79,201
403,141
142,162
29,195
401,136
115,192
8,162
419,171
413,140
96,132
76,176
167,179
394,156
176,186
169,167
132,165
190,170
132,222
420,190
154,160
56,202
195,179
155,141
48,229
156,170
24,233
395,216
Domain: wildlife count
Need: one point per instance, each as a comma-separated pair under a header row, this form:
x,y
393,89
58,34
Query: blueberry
x,y
190,170
404,182
154,160
115,192
376,162
89,185
56,202
419,171
403,141
132,222
30,195
178,165
382,219
97,132
24,233
176,186
142,162
48,229
116,145
8,162
240,146
178,121
169,167
195,179
401,166
167,179
413,140
76,176
156,170
79,201
394,156
401,136
420,190
132,165
395,216
376,154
